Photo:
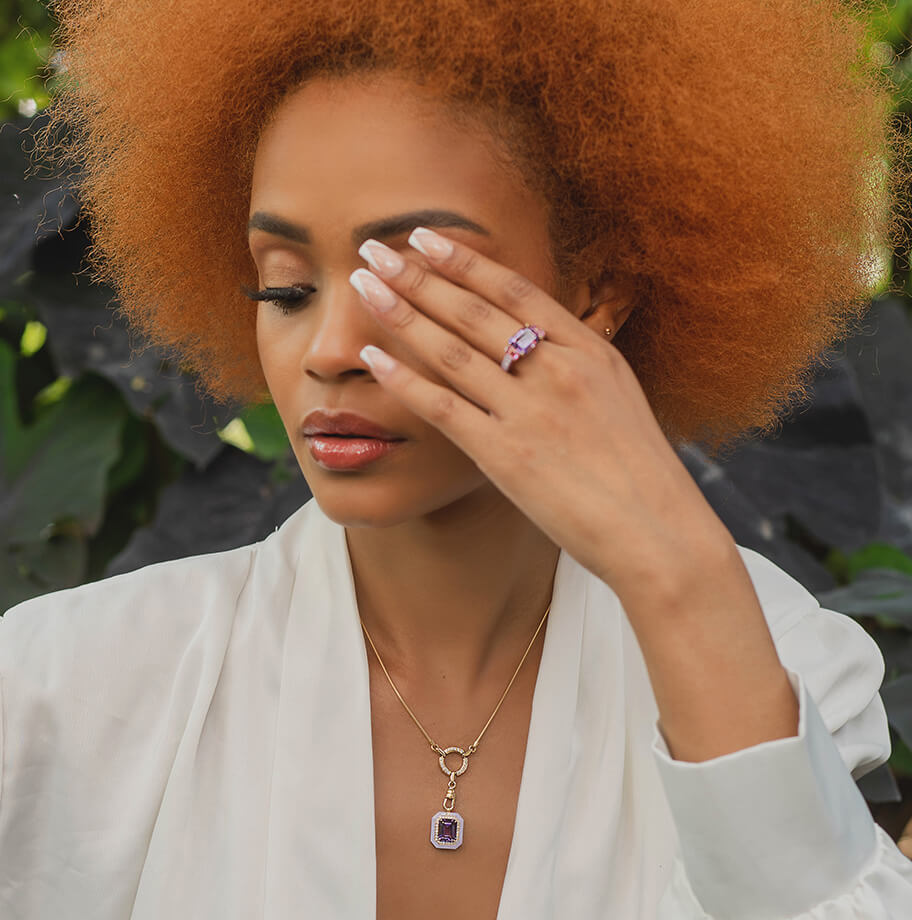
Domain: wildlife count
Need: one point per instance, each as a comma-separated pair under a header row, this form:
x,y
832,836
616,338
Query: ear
x,y
604,305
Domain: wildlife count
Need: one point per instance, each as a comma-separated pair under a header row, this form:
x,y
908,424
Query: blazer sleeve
x,y
780,831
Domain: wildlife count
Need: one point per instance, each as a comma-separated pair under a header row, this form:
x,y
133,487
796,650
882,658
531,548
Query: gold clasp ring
x,y
454,750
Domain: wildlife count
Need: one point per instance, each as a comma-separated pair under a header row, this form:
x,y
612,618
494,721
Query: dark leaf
x,y
55,469
821,469
897,699
879,785
236,501
37,568
85,334
881,356
751,527
876,592
31,209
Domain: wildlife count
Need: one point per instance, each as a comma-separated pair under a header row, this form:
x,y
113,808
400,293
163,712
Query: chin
x,y
356,501
357,514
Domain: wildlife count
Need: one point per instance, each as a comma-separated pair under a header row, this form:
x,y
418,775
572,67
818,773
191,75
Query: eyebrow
x,y
377,229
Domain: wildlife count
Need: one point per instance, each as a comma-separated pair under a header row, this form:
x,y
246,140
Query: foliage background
x,y
110,458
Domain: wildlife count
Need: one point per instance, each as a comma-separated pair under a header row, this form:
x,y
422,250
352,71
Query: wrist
x,y
683,575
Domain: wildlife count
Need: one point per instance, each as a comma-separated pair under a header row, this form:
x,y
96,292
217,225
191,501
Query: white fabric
x,y
193,740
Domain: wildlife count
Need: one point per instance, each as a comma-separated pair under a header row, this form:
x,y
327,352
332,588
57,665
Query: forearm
x,y
712,662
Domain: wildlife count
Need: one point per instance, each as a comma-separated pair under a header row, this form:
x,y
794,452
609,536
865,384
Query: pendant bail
x,y
449,800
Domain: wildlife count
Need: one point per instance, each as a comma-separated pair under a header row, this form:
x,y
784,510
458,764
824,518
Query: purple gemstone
x,y
525,338
447,830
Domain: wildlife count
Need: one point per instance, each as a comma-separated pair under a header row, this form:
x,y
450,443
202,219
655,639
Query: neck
x,y
457,594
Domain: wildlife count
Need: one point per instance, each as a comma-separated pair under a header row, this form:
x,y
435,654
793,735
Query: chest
x,y
414,879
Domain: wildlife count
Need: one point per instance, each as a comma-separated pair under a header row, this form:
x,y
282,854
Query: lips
x,y
345,425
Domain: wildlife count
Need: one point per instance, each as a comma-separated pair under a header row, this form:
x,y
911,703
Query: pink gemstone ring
x,y
522,342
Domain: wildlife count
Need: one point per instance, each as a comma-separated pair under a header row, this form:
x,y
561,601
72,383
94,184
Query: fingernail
x,y
372,289
382,259
377,360
430,244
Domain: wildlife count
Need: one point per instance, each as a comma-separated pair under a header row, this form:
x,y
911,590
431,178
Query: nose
x,y
341,327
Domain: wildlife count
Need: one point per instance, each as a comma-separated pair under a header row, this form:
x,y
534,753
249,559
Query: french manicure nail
x,y
430,244
376,359
372,289
382,259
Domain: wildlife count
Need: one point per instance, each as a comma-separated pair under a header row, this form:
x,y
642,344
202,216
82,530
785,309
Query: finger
x,y
471,429
451,357
464,312
511,292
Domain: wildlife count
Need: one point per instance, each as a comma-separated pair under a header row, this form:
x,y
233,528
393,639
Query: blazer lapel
x,y
322,860
528,889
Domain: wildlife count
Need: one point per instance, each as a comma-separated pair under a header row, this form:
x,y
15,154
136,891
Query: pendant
x,y
447,825
446,830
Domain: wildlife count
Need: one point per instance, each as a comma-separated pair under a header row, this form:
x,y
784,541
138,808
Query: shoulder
x,y
145,615
147,609
121,669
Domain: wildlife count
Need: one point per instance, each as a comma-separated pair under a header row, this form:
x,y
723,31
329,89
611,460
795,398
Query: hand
x,y
568,435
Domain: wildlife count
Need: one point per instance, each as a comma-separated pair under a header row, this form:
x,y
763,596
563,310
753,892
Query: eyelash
x,y
286,299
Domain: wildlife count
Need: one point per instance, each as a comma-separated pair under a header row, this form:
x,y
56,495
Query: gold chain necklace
x,y
447,825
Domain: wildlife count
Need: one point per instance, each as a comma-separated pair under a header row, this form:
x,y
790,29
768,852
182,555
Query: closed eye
x,y
286,299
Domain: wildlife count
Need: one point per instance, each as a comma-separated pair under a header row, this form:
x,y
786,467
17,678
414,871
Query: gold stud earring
x,y
608,331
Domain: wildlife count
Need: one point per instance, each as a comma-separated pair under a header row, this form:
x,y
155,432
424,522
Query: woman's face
x,y
339,155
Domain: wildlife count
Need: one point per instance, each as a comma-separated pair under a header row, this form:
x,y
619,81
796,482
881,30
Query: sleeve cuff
x,y
772,830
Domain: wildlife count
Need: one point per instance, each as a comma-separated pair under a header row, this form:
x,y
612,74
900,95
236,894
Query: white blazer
x,y
193,741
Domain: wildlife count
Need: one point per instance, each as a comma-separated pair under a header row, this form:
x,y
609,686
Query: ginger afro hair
x,y
726,156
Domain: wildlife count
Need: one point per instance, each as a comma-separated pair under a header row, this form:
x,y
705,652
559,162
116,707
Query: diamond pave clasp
x,y
454,750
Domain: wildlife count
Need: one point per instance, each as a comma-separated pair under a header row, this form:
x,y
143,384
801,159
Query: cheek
x,y
276,357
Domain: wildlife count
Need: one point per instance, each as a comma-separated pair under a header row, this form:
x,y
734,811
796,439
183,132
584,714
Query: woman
x,y
508,663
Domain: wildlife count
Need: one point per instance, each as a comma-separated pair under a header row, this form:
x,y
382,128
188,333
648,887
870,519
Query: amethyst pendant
x,y
446,830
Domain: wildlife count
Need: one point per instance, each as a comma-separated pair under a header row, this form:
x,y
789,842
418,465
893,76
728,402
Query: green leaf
x,y
33,338
901,757
897,700
52,393
878,556
890,24
53,475
55,469
132,461
270,442
37,568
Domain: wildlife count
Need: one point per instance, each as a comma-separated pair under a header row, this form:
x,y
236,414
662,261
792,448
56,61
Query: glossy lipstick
x,y
345,441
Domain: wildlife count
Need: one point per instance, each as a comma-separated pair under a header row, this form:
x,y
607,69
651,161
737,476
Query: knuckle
x,y
566,378
402,317
416,281
473,311
517,289
442,407
455,355
466,263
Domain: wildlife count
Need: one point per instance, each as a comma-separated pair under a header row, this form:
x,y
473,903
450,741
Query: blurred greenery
x,y
25,50
111,458
847,567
